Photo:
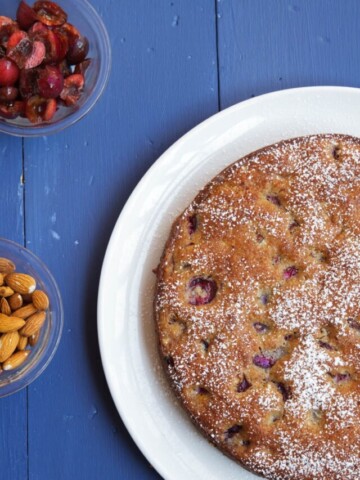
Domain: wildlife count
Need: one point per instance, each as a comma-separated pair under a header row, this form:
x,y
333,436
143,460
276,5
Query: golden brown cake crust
x,y
257,308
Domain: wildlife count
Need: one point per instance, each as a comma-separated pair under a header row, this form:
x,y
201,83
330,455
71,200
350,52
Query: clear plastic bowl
x,y
86,19
41,354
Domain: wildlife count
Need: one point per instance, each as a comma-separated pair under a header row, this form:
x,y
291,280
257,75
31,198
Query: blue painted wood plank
x,y
272,45
13,410
164,81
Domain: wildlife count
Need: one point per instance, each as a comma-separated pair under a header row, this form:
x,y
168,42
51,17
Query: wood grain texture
x,y
13,410
163,82
267,45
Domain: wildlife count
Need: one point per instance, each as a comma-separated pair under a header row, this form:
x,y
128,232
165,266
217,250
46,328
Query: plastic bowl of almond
x,y
31,317
55,60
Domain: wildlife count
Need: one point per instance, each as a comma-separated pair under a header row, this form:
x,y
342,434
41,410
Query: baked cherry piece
x,y
9,72
264,361
354,324
38,109
50,13
8,94
290,272
283,390
11,110
230,432
326,345
340,377
73,88
261,327
243,385
192,224
201,291
274,199
50,82
25,16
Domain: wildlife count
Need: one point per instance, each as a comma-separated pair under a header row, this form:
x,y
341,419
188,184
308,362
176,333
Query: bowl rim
x,y
44,129
46,357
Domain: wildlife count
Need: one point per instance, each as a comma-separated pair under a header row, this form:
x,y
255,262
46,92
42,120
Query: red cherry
x,y
50,13
9,72
38,109
73,88
50,82
8,94
25,16
12,110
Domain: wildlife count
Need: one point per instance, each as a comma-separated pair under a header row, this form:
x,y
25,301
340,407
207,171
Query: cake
x,y
257,309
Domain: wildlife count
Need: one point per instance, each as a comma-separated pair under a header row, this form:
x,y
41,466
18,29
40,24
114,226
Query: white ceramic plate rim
x,y
125,326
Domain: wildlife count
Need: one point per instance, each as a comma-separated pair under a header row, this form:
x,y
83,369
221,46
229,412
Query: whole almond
x,y
9,324
22,343
15,301
40,300
8,343
33,324
6,291
1,279
5,307
15,360
33,339
6,265
25,311
21,282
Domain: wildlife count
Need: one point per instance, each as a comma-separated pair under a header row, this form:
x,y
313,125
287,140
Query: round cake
x,y
257,309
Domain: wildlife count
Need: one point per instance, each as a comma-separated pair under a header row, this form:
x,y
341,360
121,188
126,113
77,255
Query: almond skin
x,y
33,324
25,311
6,291
33,339
15,301
5,307
21,282
40,300
9,324
15,360
22,343
8,343
6,266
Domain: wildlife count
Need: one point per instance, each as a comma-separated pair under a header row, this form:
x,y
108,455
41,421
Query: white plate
x,y
125,323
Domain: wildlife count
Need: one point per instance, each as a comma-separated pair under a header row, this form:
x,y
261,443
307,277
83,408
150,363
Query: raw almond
x,y
22,343
25,311
33,339
21,282
1,279
33,324
8,343
6,291
6,265
15,301
40,300
9,324
15,360
5,307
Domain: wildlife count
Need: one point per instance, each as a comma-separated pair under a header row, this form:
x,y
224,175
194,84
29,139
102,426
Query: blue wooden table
x,y
175,63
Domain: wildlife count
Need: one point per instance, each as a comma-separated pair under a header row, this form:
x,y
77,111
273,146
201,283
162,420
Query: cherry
x,y
290,272
192,224
38,109
50,82
354,323
283,390
15,38
274,199
25,16
50,13
27,54
12,110
243,385
28,85
230,432
82,67
78,49
9,72
201,290
8,94
6,30
263,361
261,327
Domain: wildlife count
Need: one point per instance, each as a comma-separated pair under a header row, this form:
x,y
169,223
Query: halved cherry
x,y
82,67
28,54
28,85
73,88
78,49
36,28
39,109
15,38
12,110
25,15
5,21
70,31
8,94
50,82
9,72
50,13
65,69
6,30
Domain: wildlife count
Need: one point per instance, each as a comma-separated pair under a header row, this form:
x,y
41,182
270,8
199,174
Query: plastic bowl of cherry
x,y
55,61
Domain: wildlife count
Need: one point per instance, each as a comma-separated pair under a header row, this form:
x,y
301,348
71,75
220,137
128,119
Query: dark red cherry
x,y
27,54
50,82
25,16
12,110
50,13
9,72
78,50
40,109
73,88
201,291
8,94
28,85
